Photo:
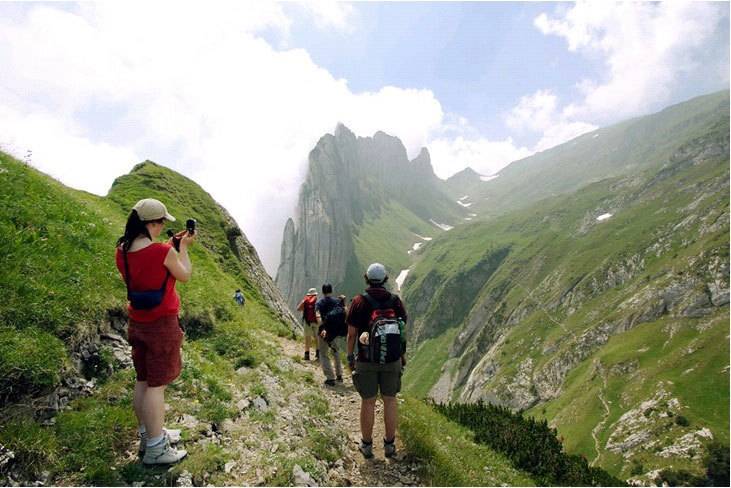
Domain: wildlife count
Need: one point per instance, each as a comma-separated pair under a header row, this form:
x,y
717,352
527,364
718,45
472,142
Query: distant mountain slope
x,y
605,311
362,200
623,148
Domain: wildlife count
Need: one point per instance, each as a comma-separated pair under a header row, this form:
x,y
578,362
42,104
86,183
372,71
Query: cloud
x,y
539,113
487,157
330,13
93,89
646,48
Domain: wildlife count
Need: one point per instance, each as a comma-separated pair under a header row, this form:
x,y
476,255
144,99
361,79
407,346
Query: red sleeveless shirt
x,y
147,272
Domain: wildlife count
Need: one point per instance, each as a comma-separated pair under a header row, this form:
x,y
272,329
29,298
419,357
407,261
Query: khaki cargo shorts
x,y
369,378
310,329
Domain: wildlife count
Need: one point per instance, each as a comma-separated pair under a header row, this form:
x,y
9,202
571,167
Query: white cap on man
x,y
376,273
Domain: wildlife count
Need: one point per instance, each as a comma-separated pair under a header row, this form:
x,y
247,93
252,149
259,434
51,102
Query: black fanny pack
x,y
143,300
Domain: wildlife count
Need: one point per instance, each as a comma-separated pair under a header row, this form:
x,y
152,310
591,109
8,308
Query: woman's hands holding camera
x,y
184,237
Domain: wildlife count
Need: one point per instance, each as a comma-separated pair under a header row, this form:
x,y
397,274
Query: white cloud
x,y
646,47
96,88
539,113
450,155
331,13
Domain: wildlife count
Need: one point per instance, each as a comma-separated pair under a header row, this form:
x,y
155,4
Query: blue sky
x,y
478,58
236,94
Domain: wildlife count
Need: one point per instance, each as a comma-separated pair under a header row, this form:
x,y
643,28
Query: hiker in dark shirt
x,y
239,298
375,321
331,334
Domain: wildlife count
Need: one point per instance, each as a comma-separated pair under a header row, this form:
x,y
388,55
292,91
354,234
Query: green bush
x,y
717,463
682,421
530,444
198,325
451,456
31,361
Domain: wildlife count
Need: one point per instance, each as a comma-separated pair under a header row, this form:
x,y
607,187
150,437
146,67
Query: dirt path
x,y
344,401
595,431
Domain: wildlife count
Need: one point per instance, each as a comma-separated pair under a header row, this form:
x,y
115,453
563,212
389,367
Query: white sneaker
x,y
163,453
173,436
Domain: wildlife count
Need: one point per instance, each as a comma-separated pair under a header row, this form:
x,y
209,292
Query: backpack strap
x,y
127,278
126,270
390,302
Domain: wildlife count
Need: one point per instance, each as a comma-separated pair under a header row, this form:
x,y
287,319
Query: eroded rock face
x,y
349,180
246,253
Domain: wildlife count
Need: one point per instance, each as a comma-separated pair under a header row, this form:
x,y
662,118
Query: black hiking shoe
x,y
366,449
389,448
339,379
329,382
307,356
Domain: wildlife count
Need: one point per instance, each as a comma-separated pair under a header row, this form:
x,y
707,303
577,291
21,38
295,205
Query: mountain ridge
x,y
354,182
580,307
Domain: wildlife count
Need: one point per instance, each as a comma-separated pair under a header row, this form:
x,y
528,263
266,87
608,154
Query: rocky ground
x,y
403,470
289,429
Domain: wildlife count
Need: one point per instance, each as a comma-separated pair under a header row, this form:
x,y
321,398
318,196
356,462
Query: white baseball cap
x,y
151,209
376,273
312,291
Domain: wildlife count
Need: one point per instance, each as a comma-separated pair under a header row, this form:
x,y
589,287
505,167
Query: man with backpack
x,y
375,322
331,334
309,320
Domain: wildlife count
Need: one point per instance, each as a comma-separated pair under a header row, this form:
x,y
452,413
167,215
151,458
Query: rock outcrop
x,y
350,180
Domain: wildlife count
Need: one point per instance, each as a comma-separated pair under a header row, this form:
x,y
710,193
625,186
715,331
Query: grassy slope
x,y
620,149
389,236
544,240
454,459
59,280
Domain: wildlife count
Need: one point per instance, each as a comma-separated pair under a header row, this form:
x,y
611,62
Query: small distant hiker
x,y
239,298
331,334
376,320
309,320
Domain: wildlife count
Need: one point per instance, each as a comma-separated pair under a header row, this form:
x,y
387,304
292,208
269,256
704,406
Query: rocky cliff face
x,y
350,180
247,255
595,307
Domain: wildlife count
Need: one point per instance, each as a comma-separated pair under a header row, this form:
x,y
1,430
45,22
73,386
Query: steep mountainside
x,y
623,148
362,200
605,311
252,412
65,367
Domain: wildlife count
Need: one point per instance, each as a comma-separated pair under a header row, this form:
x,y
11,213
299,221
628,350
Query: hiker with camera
x,y
150,270
376,320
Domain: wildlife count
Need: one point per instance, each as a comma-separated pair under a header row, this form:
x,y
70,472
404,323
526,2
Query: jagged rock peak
x,y
342,131
422,162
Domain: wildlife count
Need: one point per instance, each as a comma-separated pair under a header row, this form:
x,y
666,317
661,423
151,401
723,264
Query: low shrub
x,y
530,444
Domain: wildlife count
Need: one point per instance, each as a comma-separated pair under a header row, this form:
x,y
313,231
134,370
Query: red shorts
x,y
156,349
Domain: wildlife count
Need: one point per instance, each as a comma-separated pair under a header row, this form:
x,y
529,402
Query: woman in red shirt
x,y
154,332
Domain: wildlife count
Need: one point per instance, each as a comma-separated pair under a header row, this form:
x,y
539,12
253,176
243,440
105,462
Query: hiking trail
x,y
344,401
276,420
605,416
